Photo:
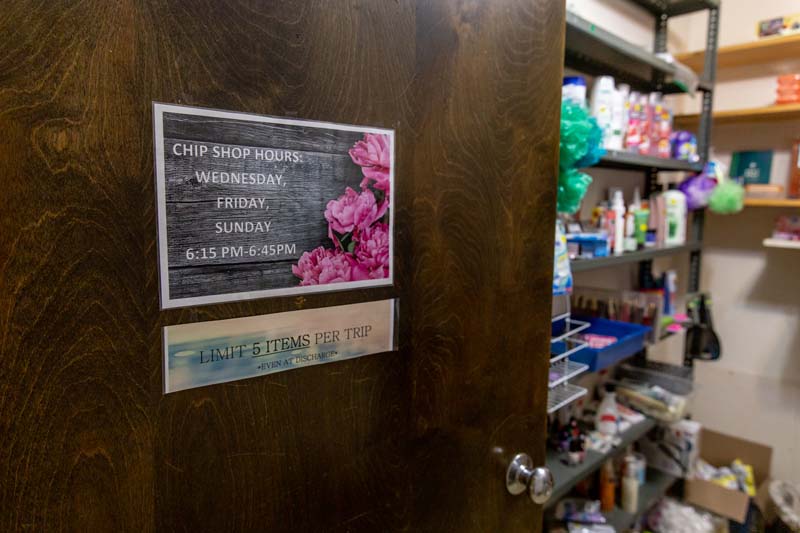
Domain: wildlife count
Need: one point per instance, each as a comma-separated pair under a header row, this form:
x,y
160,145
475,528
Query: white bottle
x,y
602,95
618,209
616,130
607,415
675,216
630,494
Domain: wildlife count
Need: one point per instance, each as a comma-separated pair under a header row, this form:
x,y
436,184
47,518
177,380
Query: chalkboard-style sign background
x,y
252,206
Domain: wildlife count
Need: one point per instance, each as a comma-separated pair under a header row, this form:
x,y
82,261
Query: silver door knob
x,y
521,476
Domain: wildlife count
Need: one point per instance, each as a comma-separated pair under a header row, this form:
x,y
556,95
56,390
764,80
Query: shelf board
x,y
655,486
567,477
595,51
737,116
782,243
772,202
753,53
673,8
633,161
580,265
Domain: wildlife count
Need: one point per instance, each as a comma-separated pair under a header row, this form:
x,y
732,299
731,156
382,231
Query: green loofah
x,y
572,186
727,198
580,146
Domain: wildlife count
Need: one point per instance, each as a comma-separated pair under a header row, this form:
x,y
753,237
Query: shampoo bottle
x,y
617,130
602,96
675,214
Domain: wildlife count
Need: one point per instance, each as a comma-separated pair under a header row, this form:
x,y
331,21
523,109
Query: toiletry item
x,y
618,208
663,130
684,146
607,487
602,95
562,274
607,415
640,219
625,92
630,230
617,127
574,89
637,200
655,111
633,135
794,172
630,484
675,206
646,124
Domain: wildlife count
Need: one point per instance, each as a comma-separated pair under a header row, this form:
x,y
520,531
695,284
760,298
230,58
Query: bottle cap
x,y
574,80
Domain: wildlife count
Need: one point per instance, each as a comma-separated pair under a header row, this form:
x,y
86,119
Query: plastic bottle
x,y
625,91
617,129
602,95
675,213
607,487
618,208
630,231
646,124
574,89
633,137
630,486
607,415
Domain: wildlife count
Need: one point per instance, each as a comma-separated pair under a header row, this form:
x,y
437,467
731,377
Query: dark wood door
x,y
414,440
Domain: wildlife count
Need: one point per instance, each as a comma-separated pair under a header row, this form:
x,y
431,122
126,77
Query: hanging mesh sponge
x,y
572,186
581,146
727,198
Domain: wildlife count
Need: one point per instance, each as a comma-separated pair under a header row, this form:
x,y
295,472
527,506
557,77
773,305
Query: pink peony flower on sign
x,y
372,253
321,266
373,155
353,211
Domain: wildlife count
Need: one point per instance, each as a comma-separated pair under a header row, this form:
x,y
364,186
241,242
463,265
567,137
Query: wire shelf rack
x,y
565,370
563,395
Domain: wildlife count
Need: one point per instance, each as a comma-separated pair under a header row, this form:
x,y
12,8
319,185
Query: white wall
x,y
754,390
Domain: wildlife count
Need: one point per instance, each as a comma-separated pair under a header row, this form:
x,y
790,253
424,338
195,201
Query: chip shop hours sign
x,y
252,206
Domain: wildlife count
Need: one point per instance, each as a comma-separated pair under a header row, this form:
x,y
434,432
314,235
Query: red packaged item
x,y
788,91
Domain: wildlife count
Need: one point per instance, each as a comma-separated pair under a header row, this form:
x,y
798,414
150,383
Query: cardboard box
x,y
719,449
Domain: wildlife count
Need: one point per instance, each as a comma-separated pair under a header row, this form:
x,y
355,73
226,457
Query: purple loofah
x,y
698,188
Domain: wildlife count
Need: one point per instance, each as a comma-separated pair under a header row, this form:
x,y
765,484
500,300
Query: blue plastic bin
x,y
631,338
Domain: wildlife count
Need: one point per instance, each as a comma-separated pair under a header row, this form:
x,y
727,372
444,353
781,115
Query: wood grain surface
x,y
416,440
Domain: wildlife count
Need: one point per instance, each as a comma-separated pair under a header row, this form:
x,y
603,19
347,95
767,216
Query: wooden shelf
x,y
772,202
737,116
781,243
757,52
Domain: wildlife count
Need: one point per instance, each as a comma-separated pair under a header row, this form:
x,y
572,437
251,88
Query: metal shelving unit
x,y
595,51
673,8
